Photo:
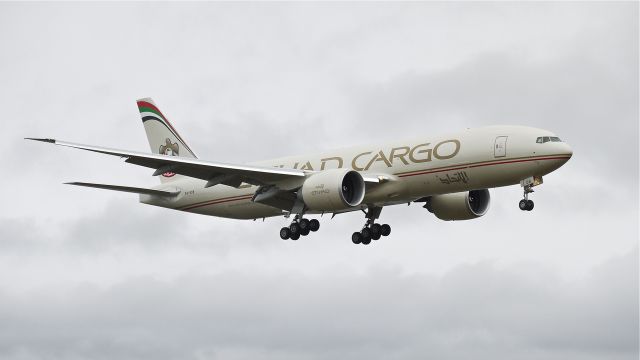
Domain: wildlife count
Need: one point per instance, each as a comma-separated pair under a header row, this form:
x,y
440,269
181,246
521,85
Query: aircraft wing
x,y
212,172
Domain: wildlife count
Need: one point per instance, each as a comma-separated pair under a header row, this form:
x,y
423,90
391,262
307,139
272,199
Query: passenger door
x,y
500,147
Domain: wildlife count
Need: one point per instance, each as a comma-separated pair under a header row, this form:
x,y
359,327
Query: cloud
x,y
91,274
476,310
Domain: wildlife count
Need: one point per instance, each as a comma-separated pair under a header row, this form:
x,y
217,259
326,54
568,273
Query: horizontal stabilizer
x,y
127,189
53,141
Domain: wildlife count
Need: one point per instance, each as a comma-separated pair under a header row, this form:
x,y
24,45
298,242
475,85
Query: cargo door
x,y
500,147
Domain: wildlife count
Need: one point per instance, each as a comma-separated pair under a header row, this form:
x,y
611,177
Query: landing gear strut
x,y
371,230
299,227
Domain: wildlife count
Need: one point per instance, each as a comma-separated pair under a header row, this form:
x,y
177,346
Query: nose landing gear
x,y
526,204
528,184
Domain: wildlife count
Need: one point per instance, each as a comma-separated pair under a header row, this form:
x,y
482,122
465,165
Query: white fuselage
x,y
472,159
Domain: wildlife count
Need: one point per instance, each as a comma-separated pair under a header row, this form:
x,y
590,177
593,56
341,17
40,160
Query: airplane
x,y
450,174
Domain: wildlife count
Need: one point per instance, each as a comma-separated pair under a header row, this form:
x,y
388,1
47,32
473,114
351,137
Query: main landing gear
x,y
371,230
526,204
299,227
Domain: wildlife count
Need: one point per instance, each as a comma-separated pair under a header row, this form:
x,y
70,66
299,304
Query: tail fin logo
x,y
151,115
169,149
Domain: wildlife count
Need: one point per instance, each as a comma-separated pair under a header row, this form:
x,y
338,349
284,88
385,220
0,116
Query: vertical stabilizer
x,y
163,137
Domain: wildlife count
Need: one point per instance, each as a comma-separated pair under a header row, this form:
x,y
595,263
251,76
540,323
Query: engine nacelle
x,y
335,189
460,206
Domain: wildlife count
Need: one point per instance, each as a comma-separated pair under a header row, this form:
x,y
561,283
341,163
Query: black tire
x,y
385,230
304,224
366,236
529,205
295,236
314,225
376,231
356,238
295,228
522,204
304,232
285,233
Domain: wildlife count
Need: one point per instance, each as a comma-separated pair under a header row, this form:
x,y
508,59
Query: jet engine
x,y
459,206
334,189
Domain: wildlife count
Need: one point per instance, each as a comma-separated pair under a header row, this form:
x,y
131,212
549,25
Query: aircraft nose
x,y
567,150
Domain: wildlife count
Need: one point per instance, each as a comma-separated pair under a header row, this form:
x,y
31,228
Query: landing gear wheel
x,y
295,236
385,230
376,231
366,236
523,205
304,232
285,233
304,224
529,205
314,225
356,238
295,228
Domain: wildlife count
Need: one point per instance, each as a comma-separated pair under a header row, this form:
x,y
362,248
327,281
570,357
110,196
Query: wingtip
x,y
53,141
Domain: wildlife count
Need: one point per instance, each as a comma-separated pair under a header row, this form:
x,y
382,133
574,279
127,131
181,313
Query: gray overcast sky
x,y
93,274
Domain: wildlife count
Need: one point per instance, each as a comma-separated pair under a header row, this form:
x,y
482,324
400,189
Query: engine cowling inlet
x,y
460,206
335,189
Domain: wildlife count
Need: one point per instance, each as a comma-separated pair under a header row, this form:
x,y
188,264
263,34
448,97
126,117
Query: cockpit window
x,y
544,139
